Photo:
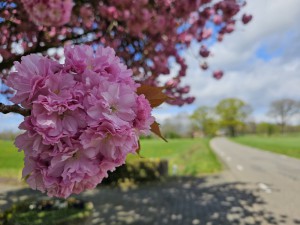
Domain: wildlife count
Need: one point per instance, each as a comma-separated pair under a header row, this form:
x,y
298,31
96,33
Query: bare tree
x,y
282,110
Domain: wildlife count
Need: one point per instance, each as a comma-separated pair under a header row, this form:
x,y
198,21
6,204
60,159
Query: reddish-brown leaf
x,y
154,95
26,177
155,129
139,147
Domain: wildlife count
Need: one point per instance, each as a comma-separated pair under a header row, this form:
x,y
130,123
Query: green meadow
x,y
185,156
11,161
283,144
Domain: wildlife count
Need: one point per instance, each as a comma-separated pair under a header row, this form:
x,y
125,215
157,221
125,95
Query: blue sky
x,y
261,63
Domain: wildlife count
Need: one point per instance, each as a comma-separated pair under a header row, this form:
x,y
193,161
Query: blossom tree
x,y
146,34
83,116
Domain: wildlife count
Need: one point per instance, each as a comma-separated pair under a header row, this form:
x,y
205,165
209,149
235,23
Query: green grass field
x,y
11,161
288,145
189,156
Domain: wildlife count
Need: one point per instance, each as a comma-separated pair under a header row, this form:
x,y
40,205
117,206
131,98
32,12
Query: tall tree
x,y
232,113
282,110
205,119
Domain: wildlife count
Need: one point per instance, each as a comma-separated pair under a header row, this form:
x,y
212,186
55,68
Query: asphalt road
x,y
276,176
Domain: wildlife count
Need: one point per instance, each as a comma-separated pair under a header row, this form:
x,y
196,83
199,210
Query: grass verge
x,y
287,145
185,156
11,161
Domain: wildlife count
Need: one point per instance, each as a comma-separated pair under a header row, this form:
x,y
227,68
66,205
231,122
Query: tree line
x,y
232,117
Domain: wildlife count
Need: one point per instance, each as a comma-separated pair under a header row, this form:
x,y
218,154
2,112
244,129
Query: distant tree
x,y
232,113
267,128
250,127
205,119
176,127
282,110
8,135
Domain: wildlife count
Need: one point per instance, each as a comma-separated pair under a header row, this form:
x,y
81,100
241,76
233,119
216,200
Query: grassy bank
x,y
288,145
185,156
11,161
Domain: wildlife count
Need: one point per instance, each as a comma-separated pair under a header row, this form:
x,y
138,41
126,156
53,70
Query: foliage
x,y
139,170
48,212
232,113
8,135
205,118
267,128
172,135
283,110
177,126
149,35
285,144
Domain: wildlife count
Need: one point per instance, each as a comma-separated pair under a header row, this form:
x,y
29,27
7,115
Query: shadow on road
x,y
179,201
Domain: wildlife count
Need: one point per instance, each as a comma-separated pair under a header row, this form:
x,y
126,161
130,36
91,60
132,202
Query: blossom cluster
x,y
49,12
85,118
149,35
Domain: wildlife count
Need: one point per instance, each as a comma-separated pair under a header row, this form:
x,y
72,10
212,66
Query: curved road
x,y
277,176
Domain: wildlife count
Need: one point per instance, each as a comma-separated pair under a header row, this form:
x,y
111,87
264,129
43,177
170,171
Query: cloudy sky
x,y
261,62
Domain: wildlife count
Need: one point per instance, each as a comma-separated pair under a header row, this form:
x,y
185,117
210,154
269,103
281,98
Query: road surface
x,y
277,176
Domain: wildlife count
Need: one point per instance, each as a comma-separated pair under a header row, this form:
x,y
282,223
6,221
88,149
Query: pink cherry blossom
x,y
143,118
204,52
246,18
29,80
218,74
86,117
116,103
49,12
56,117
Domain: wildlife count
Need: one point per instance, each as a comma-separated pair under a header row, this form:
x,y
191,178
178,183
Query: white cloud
x,y
256,80
161,116
272,21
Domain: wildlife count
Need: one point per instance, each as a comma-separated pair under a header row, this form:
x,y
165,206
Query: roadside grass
x,y
11,161
286,144
185,156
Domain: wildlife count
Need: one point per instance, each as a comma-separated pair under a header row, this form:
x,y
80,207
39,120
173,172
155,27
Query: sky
x,y
261,62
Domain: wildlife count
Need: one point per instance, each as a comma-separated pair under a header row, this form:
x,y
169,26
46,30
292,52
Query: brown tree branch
x,y
14,109
6,64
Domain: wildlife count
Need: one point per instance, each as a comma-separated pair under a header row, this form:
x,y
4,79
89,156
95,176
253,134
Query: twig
x,y
6,64
14,109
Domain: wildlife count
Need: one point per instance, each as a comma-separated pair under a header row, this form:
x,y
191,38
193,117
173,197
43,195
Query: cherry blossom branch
x,y
14,109
6,64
